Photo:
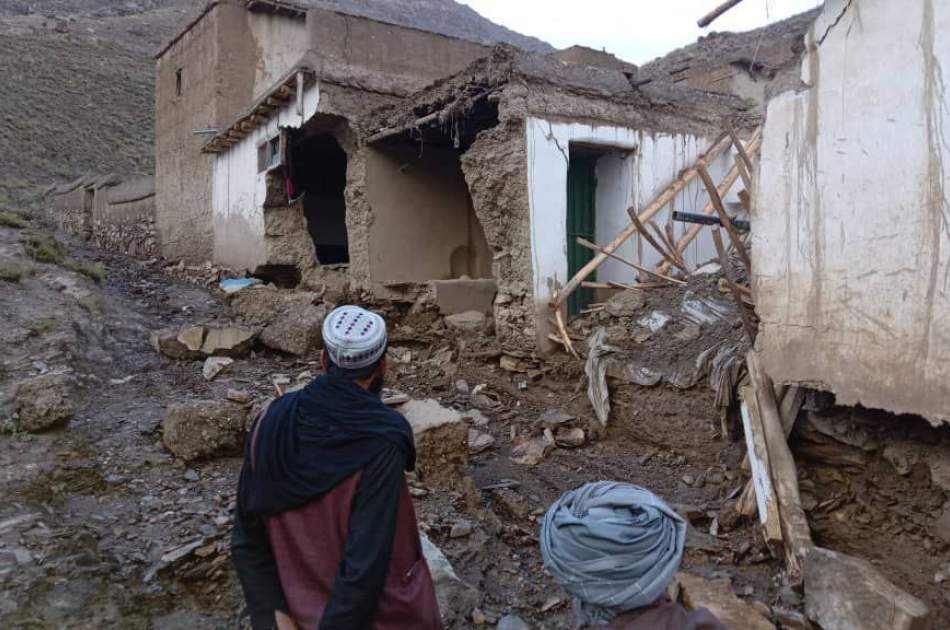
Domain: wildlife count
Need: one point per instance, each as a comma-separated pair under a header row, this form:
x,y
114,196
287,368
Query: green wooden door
x,y
581,184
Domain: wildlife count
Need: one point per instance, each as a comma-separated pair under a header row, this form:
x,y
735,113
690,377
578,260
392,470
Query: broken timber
x,y
733,285
713,15
751,147
795,533
585,243
658,203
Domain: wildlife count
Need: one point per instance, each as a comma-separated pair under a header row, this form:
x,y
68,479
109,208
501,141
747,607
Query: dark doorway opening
x,y
319,173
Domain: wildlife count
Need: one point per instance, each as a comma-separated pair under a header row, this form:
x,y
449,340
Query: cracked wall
x,y
851,232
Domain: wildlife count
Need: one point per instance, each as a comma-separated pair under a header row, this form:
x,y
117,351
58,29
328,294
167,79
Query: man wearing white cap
x,y
325,535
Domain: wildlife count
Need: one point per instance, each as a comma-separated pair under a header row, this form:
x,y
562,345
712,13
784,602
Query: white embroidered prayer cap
x,y
353,337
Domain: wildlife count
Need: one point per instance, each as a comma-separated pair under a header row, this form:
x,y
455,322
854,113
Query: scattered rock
x,y
44,402
569,438
455,597
846,593
941,528
192,337
513,503
214,366
478,441
239,396
461,386
512,622
530,452
468,321
296,331
231,341
461,529
191,475
204,428
476,417
718,598
554,418
166,343
626,303
478,617
441,439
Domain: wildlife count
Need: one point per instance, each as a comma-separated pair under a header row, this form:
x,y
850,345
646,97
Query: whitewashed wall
x,y
851,247
635,167
238,191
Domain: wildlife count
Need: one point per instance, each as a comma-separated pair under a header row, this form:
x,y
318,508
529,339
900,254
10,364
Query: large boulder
x,y
717,597
441,439
456,598
166,343
297,330
292,320
846,593
228,341
196,342
45,401
202,429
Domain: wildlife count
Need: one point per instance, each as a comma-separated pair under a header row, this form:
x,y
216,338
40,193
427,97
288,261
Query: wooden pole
x,y
711,17
745,161
759,461
591,246
652,241
723,189
724,217
658,203
795,531
733,286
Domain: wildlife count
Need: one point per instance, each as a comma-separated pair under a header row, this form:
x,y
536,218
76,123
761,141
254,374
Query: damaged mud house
x,y
786,189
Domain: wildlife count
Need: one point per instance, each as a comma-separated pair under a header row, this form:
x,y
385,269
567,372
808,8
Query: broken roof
x,y
661,107
760,52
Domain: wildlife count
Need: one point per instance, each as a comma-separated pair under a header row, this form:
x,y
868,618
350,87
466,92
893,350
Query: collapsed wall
x,y
487,114
851,233
112,212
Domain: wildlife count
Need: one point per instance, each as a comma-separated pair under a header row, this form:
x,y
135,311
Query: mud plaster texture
x,y
494,151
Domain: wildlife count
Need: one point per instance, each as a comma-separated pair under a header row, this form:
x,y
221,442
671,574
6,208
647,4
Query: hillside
x,y
78,78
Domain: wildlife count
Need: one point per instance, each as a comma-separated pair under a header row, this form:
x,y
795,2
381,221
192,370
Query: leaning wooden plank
x,y
585,243
724,187
562,328
745,160
795,531
659,202
652,241
733,286
710,17
765,498
724,217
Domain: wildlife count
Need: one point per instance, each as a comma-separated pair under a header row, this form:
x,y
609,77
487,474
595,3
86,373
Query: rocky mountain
x,y
78,92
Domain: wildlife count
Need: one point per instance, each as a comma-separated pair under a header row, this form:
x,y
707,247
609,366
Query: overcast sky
x,y
634,30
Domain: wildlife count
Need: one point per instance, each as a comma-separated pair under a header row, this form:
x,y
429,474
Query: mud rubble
x,y
119,458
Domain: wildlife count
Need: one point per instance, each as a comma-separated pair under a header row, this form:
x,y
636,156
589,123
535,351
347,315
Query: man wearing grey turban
x,y
615,547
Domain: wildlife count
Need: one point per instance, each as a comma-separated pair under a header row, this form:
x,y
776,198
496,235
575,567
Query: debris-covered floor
x,y
103,527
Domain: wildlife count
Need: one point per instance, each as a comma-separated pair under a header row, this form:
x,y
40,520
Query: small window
x,y
268,154
178,82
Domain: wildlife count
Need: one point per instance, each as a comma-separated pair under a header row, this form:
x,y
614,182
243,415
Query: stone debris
x,y
467,322
478,441
441,439
195,342
847,593
554,418
476,417
530,452
213,366
239,396
570,437
512,622
44,402
204,428
626,303
296,331
461,529
718,598
455,597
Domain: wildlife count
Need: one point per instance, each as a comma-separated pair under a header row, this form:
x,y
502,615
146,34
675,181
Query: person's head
x,y
614,546
354,346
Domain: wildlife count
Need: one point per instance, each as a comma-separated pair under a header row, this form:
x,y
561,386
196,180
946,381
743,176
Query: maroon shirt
x,y
308,546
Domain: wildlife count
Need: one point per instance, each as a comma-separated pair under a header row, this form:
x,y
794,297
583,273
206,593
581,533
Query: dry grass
x,y
14,272
13,220
43,326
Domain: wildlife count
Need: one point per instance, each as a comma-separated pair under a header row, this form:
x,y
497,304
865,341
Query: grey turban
x,y
612,545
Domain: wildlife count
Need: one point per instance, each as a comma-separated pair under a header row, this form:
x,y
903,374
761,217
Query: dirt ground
x,y
102,527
